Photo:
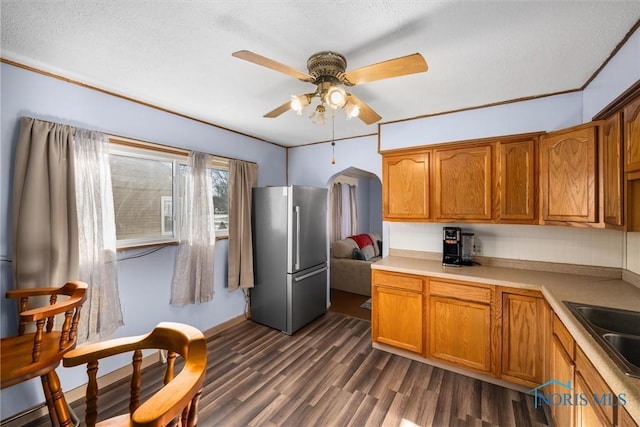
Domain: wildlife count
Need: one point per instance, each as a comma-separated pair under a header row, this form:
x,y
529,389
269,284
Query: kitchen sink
x,y
616,331
611,319
628,346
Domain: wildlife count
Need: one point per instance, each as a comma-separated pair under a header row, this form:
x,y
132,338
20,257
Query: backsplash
x,y
569,245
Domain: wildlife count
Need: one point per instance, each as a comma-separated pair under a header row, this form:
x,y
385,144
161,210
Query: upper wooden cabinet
x,y
405,179
632,136
516,181
462,183
568,166
612,176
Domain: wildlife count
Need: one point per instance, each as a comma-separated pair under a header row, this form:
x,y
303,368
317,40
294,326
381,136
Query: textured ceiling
x,y
177,54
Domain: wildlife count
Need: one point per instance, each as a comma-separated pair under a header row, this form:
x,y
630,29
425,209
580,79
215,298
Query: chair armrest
x,y
33,292
76,298
100,350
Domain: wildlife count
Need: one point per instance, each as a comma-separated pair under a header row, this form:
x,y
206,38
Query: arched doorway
x,y
368,191
350,289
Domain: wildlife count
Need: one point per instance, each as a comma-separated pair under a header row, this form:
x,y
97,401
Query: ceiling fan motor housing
x,y
327,67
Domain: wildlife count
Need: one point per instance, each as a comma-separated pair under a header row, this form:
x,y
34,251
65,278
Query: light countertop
x,y
556,287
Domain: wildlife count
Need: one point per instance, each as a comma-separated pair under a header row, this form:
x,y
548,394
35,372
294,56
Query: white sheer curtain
x,y
193,275
101,314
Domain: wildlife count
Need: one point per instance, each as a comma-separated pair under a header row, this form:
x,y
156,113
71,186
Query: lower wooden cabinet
x,y
586,415
460,324
397,316
525,331
562,369
589,382
624,419
505,332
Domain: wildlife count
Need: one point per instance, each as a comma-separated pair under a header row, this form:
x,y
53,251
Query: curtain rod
x,y
167,148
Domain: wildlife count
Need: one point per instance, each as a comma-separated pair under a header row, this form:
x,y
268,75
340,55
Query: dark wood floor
x,y
327,374
349,304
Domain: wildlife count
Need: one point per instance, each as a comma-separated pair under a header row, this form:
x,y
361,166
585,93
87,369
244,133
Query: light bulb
x,y
336,97
298,103
318,116
351,110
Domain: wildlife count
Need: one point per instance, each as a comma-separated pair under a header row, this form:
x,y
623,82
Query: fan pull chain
x,y
333,139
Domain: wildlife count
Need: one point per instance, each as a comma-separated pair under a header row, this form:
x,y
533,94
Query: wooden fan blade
x,y
367,115
270,63
277,111
397,67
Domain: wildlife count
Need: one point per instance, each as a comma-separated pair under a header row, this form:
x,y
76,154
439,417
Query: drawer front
x,y
398,280
459,291
565,338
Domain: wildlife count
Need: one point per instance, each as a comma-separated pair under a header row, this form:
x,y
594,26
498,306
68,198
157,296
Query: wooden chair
x,y
38,353
178,397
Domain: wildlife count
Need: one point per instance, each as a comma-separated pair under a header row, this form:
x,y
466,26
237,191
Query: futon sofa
x,y
351,260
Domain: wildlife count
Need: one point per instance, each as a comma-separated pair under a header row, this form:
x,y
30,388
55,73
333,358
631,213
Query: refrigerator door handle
x,y
297,209
313,273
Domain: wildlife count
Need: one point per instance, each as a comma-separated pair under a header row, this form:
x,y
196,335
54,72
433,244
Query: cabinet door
x,y
525,323
397,318
568,175
624,418
586,415
405,183
612,171
632,136
516,189
462,181
593,385
562,370
460,332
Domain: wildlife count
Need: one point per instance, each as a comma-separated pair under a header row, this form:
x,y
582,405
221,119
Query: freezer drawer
x,y
307,296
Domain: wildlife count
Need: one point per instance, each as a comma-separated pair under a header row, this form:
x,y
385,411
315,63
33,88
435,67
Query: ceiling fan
x,y
327,70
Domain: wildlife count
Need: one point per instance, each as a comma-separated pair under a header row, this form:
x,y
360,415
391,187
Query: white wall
x,y
542,114
620,73
145,281
311,164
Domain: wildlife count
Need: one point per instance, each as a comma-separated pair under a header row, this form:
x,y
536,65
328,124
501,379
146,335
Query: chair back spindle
x,y
136,381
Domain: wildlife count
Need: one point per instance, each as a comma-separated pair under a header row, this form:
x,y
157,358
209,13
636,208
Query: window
x,y
148,185
220,184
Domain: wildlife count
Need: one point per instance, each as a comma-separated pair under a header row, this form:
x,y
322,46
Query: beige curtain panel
x,y
243,176
336,212
353,207
44,216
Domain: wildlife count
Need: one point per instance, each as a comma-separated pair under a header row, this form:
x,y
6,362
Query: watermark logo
x,y
565,395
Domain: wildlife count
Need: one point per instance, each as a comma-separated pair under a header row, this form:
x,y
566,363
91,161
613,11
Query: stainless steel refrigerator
x,y
290,256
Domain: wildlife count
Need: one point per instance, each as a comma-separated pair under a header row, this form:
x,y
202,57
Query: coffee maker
x,y
457,247
452,246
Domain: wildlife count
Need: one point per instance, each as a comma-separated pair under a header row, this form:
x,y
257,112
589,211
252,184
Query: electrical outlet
x,y
477,247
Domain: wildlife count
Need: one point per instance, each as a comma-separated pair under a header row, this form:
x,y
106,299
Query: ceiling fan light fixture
x,y
336,97
319,117
351,110
299,102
